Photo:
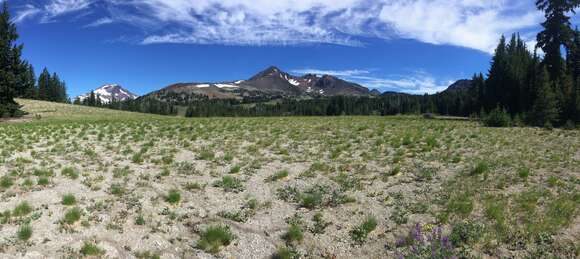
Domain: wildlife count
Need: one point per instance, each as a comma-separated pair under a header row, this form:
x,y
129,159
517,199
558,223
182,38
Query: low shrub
x,y
497,118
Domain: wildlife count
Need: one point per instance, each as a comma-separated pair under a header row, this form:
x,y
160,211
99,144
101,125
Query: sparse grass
x,y
524,173
91,249
285,252
193,186
229,184
311,200
206,155
461,205
6,182
117,189
480,168
68,199
360,233
43,181
235,169
214,237
24,232
70,173
295,234
320,224
72,215
147,255
510,190
22,209
140,220
173,196
278,176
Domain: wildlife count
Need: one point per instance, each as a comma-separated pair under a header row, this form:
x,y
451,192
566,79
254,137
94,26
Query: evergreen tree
x,y
92,100
496,79
29,89
573,61
11,65
544,111
44,88
57,89
556,33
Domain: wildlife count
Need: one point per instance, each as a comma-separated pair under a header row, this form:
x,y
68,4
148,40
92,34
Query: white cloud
x,y
417,82
59,7
51,9
466,23
100,22
472,24
28,11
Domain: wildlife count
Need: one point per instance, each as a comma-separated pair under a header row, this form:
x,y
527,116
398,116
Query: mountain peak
x,y
273,69
460,85
108,92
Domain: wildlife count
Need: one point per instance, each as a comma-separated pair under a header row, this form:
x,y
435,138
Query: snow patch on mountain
x,y
294,82
226,86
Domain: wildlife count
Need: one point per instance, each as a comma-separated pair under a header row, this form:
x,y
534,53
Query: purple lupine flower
x,y
433,251
417,236
446,243
401,241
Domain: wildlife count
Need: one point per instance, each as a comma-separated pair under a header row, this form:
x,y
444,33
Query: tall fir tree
x,y
29,90
11,65
556,33
573,61
545,110
497,77
57,89
44,87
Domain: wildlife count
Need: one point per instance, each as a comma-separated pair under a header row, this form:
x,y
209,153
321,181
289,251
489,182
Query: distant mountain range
x,y
271,82
267,84
107,93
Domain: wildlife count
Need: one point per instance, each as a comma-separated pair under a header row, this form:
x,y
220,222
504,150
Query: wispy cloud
x,y
466,23
100,22
26,12
417,82
51,9
59,7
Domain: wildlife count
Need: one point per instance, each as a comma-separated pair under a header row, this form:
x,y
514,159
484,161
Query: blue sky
x,y
414,46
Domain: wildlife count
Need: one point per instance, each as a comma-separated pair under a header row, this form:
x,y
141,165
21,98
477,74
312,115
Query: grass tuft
x,y
173,196
214,237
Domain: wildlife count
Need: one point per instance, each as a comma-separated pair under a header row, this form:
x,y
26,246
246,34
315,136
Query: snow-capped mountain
x,y
270,82
107,93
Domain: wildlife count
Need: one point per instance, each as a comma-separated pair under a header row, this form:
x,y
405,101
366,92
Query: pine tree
x,y
29,90
11,65
92,101
556,33
496,79
57,89
44,85
573,61
544,111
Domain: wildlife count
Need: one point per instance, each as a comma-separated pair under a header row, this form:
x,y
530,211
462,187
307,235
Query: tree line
x,y
17,78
